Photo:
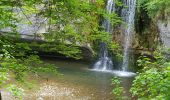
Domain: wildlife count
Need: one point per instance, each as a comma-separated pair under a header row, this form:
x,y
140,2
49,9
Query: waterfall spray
x,y
128,15
105,62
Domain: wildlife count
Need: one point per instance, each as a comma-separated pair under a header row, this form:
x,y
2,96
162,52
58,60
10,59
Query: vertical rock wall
x,y
164,31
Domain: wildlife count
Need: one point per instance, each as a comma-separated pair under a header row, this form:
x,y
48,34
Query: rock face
x,y
164,29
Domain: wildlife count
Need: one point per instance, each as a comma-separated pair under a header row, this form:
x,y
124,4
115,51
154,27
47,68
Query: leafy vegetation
x,y
118,90
153,80
17,64
70,23
155,8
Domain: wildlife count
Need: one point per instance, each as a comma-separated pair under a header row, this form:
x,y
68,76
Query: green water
x,y
87,84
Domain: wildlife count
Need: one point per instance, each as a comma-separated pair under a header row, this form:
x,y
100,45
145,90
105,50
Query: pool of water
x,y
91,84
78,82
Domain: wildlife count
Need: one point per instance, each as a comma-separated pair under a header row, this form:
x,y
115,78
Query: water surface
x,y
78,82
82,83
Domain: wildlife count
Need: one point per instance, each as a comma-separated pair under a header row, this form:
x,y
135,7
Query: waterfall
x,y
128,15
105,62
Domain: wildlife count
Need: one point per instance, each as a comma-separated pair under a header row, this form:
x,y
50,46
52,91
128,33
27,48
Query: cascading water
x,y
105,62
128,15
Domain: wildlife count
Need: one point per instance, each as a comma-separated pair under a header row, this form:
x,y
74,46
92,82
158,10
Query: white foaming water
x,y
116,72
105,62
128,15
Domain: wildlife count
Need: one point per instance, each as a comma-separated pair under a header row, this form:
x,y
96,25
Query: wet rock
x,y
164,29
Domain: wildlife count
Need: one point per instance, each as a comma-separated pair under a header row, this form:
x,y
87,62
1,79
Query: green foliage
x,y
155,8
37,66
67,50
3,77
7,18
118,89
17,92
152,82
16,63
70,22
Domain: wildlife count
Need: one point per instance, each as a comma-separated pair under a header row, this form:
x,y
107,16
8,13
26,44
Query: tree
x,y
71,23
155,8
